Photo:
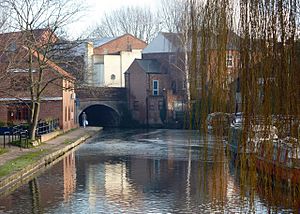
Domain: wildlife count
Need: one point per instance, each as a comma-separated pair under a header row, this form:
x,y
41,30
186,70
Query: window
x,y
72,112
229,60
69,113
113,77
155,87
99,74
173,86
20,83
18,112
66,113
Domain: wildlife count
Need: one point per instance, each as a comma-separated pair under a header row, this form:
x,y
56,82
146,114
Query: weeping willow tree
x,y
270,80
206,30
269,63
267,72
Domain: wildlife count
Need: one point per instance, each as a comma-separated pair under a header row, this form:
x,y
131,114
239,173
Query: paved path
x,y
53,144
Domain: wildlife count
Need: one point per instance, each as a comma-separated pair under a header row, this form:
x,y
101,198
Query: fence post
x,y
4,138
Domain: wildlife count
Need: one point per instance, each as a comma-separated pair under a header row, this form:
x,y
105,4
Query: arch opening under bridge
x,y
101,115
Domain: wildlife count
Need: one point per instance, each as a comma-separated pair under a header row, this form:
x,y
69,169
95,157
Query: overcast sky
x,y
96,9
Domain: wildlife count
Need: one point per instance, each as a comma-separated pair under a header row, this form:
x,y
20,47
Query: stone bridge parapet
x,y
101,93
111,97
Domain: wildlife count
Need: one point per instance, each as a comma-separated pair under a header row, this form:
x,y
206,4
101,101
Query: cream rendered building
x,y
108,59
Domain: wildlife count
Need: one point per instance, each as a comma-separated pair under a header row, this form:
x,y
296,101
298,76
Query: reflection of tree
x,y
278,194
35,192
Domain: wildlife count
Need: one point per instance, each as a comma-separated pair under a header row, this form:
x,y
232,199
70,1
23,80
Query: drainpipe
x,y
147,112
129,90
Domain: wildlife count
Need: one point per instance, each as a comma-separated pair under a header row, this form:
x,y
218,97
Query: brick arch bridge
x,y
104,106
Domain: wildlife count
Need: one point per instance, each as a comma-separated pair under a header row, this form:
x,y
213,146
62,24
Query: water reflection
x,y
158,171
69,173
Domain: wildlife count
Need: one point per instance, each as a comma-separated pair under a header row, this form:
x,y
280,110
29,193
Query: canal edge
x,y
22,176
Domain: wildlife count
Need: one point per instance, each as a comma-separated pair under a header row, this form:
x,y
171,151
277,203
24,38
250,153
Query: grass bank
x,y
21,162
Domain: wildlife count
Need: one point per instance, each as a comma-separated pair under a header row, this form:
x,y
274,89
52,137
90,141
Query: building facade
x,y
104,61
156,84
57,97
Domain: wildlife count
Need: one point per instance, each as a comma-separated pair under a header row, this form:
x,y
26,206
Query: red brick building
x,y
57,97
156,84
155,94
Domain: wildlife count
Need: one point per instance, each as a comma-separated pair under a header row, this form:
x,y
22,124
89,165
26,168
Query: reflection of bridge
x,y
104,106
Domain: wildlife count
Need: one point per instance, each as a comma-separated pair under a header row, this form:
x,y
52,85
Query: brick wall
x,y
51,110
3,112
101,93
137,92
68,108
15,90
122,43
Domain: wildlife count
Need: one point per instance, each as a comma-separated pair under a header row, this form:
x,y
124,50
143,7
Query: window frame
x,y
229,60
155,90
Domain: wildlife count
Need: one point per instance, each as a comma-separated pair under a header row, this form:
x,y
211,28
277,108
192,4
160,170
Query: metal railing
x,y
45,127
20,133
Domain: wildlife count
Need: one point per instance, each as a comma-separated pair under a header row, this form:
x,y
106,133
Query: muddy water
x,y
140,171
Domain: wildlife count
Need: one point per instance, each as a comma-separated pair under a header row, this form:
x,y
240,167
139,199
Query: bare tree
x,y
34,49
171,15
140,22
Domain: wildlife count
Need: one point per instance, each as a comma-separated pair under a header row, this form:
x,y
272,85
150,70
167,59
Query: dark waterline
x,y
139,171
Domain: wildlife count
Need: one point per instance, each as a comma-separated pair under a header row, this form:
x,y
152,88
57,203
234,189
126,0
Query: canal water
x,y
147,171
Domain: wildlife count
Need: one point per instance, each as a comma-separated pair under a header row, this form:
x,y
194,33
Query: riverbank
x,y
17,165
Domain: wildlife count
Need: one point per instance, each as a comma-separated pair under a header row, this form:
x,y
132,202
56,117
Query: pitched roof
x,y
164,43
111,45
172,42
173,38
102,41
38,35
52,65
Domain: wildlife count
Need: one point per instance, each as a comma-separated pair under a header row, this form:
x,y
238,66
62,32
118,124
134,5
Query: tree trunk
x,y
34,122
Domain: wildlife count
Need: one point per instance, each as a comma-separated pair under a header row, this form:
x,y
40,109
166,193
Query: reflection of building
x,y
69,168
117,185
111,180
